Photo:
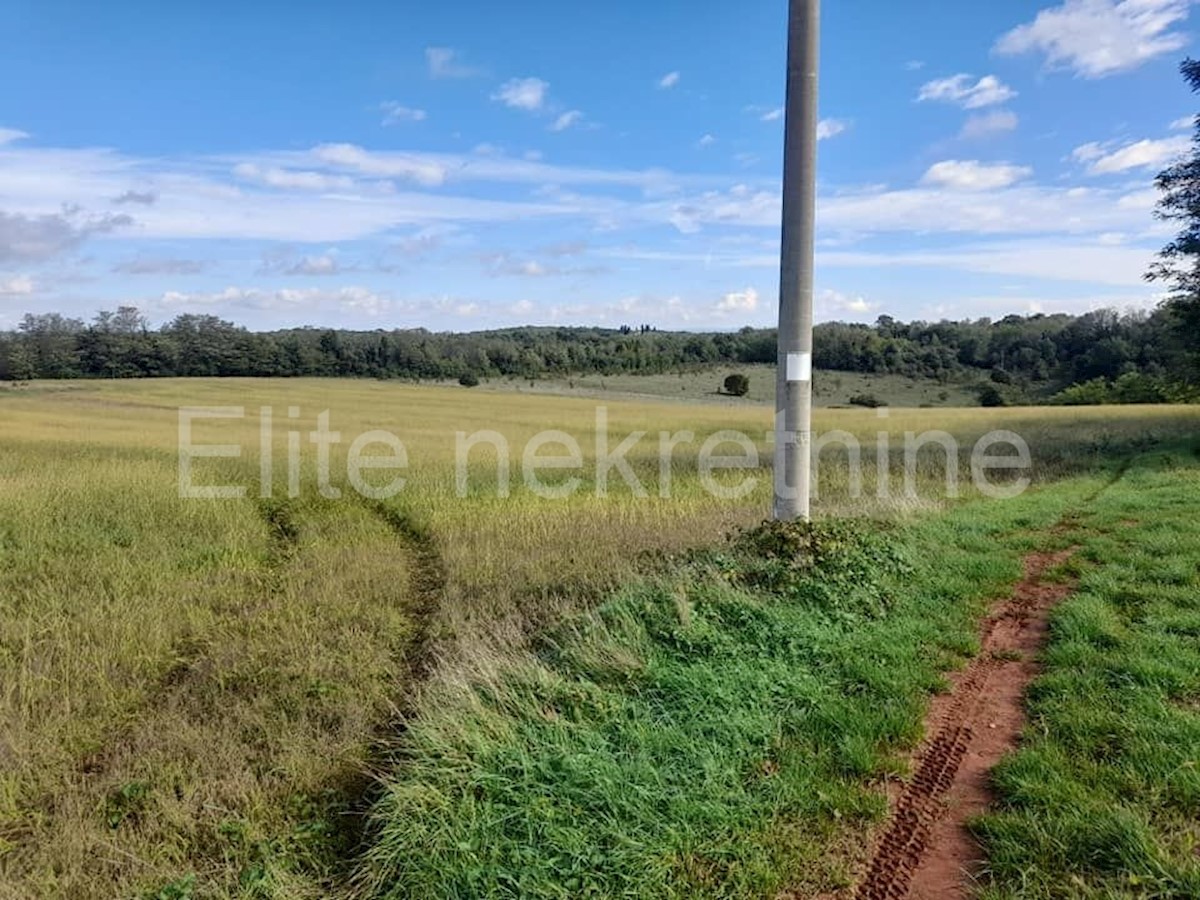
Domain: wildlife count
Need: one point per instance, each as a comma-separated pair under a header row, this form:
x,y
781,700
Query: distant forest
x,y
1100,356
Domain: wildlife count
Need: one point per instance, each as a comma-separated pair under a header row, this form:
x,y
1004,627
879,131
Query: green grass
x,y
1103,800
722,732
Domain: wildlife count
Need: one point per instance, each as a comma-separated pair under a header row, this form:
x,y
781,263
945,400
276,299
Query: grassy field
x,y
830,389
196,695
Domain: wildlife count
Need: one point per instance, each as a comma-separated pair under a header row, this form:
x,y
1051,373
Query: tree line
x,y
1035,354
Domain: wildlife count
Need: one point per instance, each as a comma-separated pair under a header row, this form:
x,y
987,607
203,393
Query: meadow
x,y
225,697
830,389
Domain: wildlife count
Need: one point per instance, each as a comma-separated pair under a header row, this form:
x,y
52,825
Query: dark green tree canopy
x,y
1178,265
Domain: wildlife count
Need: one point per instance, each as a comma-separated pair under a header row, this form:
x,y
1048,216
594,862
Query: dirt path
x,y
926,853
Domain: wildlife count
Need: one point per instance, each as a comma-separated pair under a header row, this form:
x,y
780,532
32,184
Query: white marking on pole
x,y
799,367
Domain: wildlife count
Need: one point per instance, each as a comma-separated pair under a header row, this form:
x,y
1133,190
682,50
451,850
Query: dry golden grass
x,y
195,687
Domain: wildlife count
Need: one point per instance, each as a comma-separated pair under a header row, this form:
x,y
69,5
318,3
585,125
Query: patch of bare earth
x,y
926,851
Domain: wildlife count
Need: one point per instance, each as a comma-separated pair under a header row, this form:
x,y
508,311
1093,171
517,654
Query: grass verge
x,y
1103,800
722,732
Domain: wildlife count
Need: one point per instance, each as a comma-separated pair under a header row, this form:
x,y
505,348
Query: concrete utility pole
x,y
793,391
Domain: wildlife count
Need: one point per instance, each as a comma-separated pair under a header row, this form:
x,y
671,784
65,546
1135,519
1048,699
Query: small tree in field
x,y
469,380
989,395
738,385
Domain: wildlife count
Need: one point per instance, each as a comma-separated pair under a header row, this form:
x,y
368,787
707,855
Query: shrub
x,y
1000,376
989,395
1086,393
870,401
469,380
837,565
1132,387
737,385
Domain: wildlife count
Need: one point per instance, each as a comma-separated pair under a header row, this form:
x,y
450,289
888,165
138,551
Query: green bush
x,y
469,380
836,564
737,385
1132,387
989,395
870,401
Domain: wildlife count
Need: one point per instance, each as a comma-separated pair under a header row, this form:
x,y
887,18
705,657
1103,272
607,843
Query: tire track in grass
x,y
427,586
282,528
926,852
360,793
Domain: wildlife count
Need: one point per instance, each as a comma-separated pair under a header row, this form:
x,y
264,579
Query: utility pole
x,y
793,389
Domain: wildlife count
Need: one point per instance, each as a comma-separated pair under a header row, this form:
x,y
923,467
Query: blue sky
x,y
464,165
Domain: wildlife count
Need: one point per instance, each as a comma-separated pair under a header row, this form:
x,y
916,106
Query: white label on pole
x,y
799,367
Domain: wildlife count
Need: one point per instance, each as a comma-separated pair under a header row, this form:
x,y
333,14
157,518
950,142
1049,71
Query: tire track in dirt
x,y
926,852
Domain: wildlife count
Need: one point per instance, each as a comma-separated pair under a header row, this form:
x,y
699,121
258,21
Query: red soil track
x,y
926,853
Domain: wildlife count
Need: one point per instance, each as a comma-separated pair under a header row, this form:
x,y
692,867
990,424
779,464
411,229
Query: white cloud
x,y
1187,123
773,115
831,303
292,179
397,113
972,175
300,300
198,200
1096,38
1106,259
159,266
962,91
9,135
394,165
987,124
18,285
707,141
668,81
1096,262
444,62
528,94
1022,209
327,194
1103,159
1089,152
831,128
739,301
315,265
914,65
567,120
